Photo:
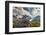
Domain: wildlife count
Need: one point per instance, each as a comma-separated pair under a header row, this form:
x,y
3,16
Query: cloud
x,y
20,11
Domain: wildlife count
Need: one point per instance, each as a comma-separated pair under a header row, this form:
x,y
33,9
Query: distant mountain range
x,y
37,18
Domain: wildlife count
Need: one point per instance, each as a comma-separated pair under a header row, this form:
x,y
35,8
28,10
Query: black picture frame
x,y
7,17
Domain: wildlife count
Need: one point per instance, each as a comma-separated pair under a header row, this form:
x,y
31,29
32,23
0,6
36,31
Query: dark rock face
x,y
26,17
22,22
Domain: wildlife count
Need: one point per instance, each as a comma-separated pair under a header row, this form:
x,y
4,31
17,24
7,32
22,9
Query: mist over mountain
x,y
33,11
20,12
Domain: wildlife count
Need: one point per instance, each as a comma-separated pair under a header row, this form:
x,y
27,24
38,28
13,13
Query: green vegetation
x,y
35,24
18,23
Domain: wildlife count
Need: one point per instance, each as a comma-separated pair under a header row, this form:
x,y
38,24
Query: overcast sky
x,y
32,12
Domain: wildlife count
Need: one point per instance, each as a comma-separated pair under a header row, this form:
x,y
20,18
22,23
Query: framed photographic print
x,y
24,17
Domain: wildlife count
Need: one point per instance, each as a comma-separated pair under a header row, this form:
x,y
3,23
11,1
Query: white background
x,y
2,18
